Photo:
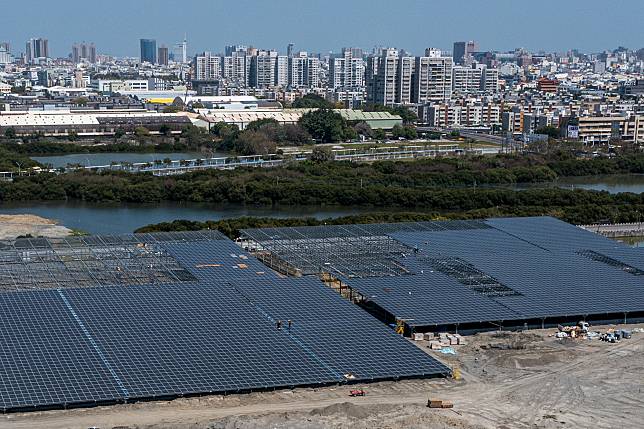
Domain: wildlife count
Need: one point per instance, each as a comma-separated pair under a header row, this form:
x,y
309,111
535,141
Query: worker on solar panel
x,y
279,325
290,323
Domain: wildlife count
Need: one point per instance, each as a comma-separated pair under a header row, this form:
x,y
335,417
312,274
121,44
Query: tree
x,y
321,154
407,132
141,132
550,131
165,129
312,101
72,136
379,134
80,101
171,109
119,132
10,133
295,135
324,125
260,123
254,143
363,129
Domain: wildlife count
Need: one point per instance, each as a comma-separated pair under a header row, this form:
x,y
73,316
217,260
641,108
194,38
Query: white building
x,y
207,67
432,79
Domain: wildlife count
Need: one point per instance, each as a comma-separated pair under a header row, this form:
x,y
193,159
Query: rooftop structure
x,y
98,320
466,274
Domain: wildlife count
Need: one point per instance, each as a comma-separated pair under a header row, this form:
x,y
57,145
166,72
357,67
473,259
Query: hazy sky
x,y
324,25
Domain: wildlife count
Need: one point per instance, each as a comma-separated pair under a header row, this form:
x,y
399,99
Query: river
x,y
126,217
96,159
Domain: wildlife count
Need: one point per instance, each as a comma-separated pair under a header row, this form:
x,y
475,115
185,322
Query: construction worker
x,y
279,325
290,323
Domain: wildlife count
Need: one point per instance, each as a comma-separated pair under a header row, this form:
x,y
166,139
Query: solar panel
x,y
520,268
212,329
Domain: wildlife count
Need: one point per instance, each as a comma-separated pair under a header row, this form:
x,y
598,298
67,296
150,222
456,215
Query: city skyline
x,y
210,26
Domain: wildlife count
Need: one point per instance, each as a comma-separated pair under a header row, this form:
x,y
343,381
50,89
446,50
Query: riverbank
x,y
13,226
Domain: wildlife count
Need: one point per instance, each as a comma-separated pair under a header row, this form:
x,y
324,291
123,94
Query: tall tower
x,y
184,50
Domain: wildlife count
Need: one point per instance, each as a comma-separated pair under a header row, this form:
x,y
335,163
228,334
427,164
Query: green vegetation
x,y
326,126
450,185
312,101
12,161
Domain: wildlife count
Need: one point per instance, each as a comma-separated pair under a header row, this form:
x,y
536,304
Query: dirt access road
x,y
510,380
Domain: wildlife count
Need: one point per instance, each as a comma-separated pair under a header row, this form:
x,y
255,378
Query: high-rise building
x,y
5,54
404,77
44,78
458,53
36,50
347,71
230,49
303,71
466,80
207,67
490,80
163,56
84,52
383,77
262,69
148,51
281,71
432,78
289,50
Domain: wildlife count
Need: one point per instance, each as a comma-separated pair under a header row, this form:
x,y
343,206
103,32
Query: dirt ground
x,y
509,380
12,226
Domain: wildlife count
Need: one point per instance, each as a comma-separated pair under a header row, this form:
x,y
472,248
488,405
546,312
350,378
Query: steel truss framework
x,y
349,251
81,262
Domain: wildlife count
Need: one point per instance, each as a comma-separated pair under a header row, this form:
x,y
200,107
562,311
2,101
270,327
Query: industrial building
x,y
111,319
465,275
89,123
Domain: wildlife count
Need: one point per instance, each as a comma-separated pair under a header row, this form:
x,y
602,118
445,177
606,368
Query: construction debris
x,y
439,403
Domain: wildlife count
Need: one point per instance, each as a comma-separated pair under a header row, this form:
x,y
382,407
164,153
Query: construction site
x,y
522,322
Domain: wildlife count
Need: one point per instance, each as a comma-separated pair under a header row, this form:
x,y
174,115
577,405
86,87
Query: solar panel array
x,y
216,330
496,270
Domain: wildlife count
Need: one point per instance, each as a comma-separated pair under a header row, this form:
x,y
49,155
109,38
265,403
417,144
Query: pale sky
x,y
326,25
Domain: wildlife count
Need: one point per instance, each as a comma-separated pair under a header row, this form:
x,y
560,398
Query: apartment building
x,y
446,115
432,79
602,129
207,66
263,68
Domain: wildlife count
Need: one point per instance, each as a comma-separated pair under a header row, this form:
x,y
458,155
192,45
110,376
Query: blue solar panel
x,y
538,258
214,332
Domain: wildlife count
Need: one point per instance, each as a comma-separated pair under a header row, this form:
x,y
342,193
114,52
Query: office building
x,y
163,56
207,67
148,51
5,55
36,50
458,53
84,52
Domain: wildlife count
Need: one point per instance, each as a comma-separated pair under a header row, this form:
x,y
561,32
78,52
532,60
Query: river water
x,y
126,217
97,159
